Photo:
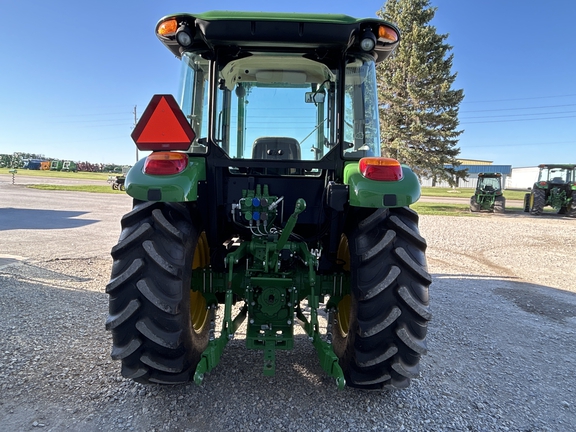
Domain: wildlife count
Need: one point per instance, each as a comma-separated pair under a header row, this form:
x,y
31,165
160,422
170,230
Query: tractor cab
x,y
489,183
271,107
557,174
488,194
280,94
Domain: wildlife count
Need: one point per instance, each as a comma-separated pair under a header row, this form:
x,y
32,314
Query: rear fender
x,y
381,194
179,187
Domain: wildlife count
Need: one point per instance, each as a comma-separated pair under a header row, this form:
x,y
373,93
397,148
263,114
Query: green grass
x,y
442,209
60,174
76,188
466,193
515,195
438,209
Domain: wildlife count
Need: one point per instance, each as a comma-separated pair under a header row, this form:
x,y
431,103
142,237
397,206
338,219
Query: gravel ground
x,y
502,343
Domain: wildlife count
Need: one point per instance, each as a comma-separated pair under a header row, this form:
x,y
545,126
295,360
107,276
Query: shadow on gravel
x,y
14,218
501,354
553,303
519,213
28,272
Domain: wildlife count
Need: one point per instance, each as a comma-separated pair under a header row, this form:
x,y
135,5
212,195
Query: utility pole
x,y
135,121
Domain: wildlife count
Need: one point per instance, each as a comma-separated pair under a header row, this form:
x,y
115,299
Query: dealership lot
x,y
502,343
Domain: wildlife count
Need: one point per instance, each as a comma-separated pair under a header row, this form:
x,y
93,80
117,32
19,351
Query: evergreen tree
x,y
418,107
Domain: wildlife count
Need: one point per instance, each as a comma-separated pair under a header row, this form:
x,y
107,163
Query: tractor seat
x,y
557,180
276,148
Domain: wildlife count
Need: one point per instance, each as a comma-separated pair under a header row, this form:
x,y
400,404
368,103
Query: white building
x,y
474,168
522,178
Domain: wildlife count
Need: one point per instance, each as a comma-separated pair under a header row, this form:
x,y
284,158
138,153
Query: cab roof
x,y
565,166
327,34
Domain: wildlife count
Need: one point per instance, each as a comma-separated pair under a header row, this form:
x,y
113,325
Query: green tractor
x,y
69,166
265,204
556,187
56,165
488,194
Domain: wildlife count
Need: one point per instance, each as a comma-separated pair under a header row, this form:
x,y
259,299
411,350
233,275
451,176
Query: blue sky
x,y
72,72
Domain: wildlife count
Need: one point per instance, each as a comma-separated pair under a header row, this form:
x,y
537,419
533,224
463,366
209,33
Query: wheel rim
x,y
344,305
198,310
344,253
344,308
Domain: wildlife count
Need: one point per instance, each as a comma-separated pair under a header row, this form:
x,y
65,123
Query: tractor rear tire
x,y
537,201
382,334
527,203
474,206
571,208
499,204
159,327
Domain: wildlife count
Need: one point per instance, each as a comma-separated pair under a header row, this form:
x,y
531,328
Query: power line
x,y
518,120
520,145
87,115
517,99
523,108
519,115
89,121
102,125
66,142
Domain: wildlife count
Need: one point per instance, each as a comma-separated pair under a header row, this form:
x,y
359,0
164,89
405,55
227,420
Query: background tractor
x,y
118,181
265,203
488,194
556,187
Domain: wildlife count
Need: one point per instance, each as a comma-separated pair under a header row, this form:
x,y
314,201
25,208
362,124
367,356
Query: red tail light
x,y
379,168
165,163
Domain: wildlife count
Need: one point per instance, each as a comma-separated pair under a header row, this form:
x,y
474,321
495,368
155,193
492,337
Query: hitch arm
x,y
299,208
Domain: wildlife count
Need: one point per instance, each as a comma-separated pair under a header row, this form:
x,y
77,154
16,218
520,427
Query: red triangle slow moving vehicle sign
x,y
163,126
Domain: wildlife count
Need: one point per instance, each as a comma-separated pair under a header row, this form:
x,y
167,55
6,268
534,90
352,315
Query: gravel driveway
x,y
502,343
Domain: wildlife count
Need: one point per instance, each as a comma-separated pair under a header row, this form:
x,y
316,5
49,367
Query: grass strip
x,y
466,193
60,174
441,209
76,188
